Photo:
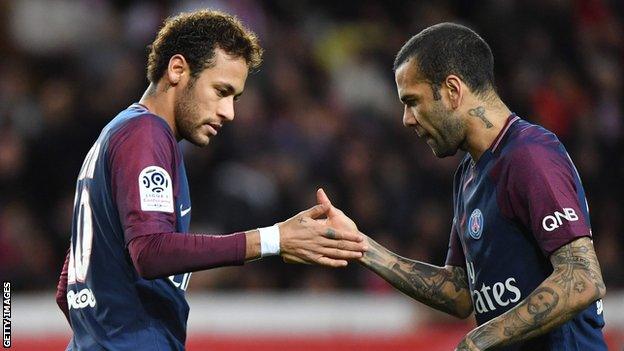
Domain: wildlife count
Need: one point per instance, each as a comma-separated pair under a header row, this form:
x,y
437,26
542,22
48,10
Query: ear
x,y
455,90
176,69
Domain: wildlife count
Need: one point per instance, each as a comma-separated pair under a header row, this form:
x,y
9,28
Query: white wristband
x,y
269,241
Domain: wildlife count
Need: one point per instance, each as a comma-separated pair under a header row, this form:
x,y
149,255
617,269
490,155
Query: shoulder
x,y
531,146
140,135
532,156
140,130
143,126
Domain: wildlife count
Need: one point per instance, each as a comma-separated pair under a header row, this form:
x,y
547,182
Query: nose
x,y
408,117
226,108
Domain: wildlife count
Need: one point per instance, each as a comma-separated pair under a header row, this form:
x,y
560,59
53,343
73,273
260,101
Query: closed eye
x,y
224,89
222,92
410,103
409,100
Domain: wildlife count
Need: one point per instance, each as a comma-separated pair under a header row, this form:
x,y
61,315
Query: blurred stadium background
x,y
322,111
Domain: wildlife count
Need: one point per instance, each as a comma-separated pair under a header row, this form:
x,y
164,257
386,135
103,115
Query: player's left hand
x,y
467,345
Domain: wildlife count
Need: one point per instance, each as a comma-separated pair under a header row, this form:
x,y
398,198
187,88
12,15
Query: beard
x,y
186,119
451,132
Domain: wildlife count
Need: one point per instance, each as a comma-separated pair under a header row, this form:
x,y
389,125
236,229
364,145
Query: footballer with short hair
x,y
520,253
124,279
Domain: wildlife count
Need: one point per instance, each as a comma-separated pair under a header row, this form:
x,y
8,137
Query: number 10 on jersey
x,y
80,253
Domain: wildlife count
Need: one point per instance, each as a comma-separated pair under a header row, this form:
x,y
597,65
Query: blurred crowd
x,y
322,111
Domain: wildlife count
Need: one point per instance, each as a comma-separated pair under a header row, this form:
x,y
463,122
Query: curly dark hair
x,y
195,35
450,48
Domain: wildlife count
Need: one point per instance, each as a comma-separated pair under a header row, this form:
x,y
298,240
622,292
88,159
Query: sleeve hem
x,y
556,243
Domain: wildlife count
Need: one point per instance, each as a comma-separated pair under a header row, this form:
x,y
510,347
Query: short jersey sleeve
x,y
544,193
455,254
142,158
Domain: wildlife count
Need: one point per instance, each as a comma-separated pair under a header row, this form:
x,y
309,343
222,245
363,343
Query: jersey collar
x,y
510,120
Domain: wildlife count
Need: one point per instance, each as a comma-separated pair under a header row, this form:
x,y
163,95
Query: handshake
x,y
321,235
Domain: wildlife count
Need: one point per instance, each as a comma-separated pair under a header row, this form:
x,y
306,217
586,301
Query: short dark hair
x,y
195,35
450,48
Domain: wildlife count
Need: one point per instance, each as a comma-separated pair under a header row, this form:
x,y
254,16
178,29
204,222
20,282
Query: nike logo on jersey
x,y
184,212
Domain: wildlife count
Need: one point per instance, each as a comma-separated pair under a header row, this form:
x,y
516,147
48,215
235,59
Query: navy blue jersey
x,y
132,183
521,201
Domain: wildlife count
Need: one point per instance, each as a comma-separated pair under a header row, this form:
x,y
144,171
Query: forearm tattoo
x,y
575,283
480,112
445,289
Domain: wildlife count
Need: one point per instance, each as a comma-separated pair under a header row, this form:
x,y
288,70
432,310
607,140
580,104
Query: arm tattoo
x,y
465,345
575,283
443,288
480,112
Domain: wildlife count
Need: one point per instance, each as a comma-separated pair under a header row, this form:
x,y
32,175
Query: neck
x,y
484,120
160,100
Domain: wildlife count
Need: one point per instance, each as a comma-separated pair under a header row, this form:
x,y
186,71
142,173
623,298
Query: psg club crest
x,y
475,224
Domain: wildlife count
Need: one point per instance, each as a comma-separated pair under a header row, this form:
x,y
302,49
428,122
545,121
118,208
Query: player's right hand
x,y
335,217
338,219
303,239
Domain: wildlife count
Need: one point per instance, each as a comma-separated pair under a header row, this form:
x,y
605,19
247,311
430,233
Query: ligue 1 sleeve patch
x,y
155,190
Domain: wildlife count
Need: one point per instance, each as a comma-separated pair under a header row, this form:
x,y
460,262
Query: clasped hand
x,y
322,234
